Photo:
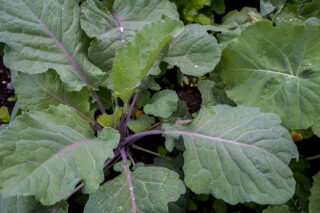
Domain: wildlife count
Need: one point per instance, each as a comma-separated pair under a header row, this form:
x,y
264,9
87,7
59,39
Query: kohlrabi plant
x,y
73,60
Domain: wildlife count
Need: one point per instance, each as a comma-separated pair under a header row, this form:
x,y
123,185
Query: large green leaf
x,y
162,104
46,34
21,204
153,188
46,153
314,205
39,91
194,51
112,29
237,154
280,68
133,61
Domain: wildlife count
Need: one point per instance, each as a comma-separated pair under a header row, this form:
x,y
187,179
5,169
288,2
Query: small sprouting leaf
x,y
4,114
22,204
39,91
133,61
142,123
314,205
194,51
106,120
40,35
281,73
112,29
153,189
46,153
237,154
162,104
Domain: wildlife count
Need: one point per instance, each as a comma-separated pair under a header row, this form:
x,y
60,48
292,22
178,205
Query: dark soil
x,y
6,89
192,97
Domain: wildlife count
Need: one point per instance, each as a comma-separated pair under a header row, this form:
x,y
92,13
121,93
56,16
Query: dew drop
x,y
291,19
195,66
310,64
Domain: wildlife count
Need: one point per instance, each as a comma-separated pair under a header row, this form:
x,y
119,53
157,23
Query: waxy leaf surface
x,y
22,204
237,154
153,188
46,34
194,51
113,29
276,69
39,91
46,153
133,61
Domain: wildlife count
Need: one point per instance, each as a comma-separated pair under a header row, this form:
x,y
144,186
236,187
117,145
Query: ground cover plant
x,y
94,78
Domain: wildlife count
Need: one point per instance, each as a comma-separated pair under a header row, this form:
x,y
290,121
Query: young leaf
x,y
46,34
112,29
133,61
106,120
162,104
237,154
39,91
45,154
314,205
4,114
153,187
21,204
142,123
279,67
194,51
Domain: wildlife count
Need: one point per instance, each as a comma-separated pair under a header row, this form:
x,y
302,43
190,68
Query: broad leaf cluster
x,y
89,79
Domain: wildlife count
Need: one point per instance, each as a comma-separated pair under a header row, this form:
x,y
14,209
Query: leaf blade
x,y
222,149
133,61
54,149
37,39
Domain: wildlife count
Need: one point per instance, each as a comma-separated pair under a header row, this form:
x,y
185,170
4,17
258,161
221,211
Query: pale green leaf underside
x,y
39,91
237,154
153,188
162,104
194,51
314,205
46,34
21,204
46,153
113,30
142,123
280,68
133,61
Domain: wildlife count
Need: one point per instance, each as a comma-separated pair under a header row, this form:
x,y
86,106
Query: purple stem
x,y
132,138
124,158
133,103
74,64
120,28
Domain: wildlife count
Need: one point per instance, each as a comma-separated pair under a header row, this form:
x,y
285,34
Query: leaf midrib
x,y
195,134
